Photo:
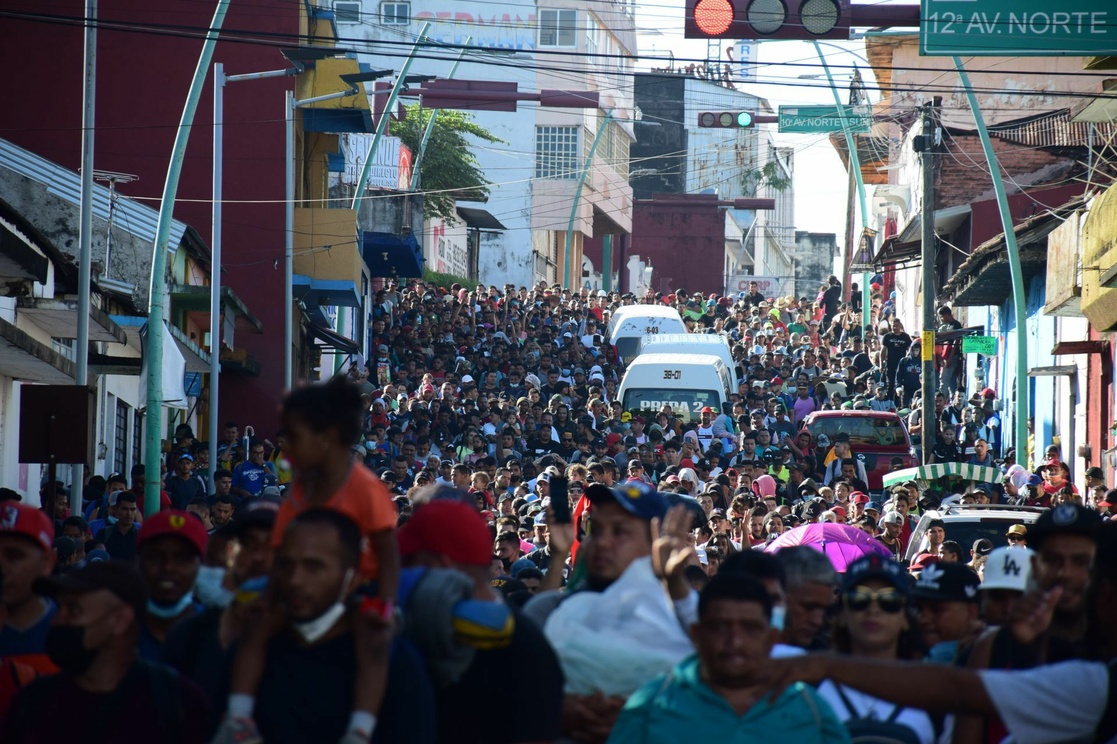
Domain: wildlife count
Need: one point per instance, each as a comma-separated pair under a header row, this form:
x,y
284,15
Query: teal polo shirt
x,y
680,707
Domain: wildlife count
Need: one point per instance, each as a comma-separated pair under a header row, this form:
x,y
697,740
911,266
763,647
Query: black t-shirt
x,y
152,703
527,712
306,694
944,452
194,649
830,299
895,345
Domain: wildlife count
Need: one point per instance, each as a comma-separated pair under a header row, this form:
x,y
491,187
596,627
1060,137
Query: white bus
x,y
714,344
682,383
631,323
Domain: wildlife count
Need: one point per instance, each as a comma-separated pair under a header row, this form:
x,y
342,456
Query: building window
x,y
63,347
557,28
347,12
556,152
395,14
120,438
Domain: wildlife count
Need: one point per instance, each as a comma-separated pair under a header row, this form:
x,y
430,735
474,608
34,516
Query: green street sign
x,y
822,119
986,345
999,28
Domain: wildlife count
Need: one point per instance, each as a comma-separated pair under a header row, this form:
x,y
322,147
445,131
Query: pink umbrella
x,y
840,543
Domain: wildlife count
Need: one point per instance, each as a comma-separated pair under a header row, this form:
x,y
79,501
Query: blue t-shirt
x,y
254,478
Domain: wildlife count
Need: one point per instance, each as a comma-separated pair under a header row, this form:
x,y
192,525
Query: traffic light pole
x,y
855,166
157,292
1019,301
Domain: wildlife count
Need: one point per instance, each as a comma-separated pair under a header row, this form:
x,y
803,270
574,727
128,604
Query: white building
x,y
535,173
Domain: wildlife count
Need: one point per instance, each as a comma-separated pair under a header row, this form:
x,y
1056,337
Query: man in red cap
x,y
445,533
26,539
169,551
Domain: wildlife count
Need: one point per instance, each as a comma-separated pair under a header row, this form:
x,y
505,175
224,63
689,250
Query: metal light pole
x,y
220,79
1019,300
215,267
289,223
288,238
157,291
85,232
855,166
416,175
382,125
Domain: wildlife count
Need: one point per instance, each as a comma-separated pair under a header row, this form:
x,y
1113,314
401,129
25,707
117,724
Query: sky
x,y
820,181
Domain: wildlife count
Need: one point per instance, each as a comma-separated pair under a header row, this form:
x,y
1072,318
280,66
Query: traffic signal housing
x,y
767,19
725,119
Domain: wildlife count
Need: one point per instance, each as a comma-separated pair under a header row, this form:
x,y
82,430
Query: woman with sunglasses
x,y
876,620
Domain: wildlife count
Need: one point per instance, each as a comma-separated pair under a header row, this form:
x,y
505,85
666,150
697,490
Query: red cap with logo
x,y
178,523
29,521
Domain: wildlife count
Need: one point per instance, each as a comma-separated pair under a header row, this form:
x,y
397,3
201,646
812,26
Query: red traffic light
x,y
725,119
713,17
767,19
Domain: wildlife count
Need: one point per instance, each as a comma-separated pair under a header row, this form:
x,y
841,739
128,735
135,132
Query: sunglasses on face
x,y
858,599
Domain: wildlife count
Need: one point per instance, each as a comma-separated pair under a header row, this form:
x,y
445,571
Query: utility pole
x,y
85,235
925,145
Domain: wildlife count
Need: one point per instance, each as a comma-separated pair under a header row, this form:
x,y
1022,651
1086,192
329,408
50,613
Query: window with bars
x,y
120,438
558,28
347,13
395,14
556,152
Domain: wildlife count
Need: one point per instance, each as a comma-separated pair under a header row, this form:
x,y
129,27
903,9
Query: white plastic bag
x,y
616,640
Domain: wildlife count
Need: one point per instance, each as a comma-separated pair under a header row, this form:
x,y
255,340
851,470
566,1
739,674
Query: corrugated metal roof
x,y
1053,129
134,218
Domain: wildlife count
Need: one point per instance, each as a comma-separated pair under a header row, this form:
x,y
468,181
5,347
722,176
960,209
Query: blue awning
x,y
337,120
328,292
389,255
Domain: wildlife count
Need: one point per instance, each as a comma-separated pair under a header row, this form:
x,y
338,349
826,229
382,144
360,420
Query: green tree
x,y
449,170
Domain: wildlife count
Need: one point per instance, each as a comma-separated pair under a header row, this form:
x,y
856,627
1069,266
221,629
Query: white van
x,y
690,343
684,382
631,323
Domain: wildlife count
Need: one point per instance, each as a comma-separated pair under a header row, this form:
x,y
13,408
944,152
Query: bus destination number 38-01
x,y
672,374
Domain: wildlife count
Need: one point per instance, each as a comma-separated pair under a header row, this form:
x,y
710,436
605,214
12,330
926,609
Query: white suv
x,y
967,523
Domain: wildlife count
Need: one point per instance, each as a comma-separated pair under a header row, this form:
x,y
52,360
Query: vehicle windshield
x,y
967,532
628,346
862,430
685,404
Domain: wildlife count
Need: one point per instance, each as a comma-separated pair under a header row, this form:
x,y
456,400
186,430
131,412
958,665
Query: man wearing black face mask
x,y
103,685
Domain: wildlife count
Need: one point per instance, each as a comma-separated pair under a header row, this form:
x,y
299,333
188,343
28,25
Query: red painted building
x,y
685,245
147,53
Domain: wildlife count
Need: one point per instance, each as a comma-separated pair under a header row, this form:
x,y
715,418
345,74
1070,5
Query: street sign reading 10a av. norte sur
x,y
822,119
1018,27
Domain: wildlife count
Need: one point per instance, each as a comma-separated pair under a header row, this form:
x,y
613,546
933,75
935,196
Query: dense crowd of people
x,y
467,537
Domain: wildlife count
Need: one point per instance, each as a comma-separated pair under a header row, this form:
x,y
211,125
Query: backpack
x,y
872,731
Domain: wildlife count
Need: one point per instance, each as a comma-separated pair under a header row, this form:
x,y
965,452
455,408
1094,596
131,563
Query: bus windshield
x,y
686,405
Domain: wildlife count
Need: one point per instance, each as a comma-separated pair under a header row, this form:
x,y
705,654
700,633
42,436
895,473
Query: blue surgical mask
x,y
166,612
209,588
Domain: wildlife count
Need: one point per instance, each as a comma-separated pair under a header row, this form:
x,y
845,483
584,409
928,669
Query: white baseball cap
x,y
1008,568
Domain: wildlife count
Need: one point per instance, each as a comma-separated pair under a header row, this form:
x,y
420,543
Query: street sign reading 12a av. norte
x,y
822,119
1018,27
